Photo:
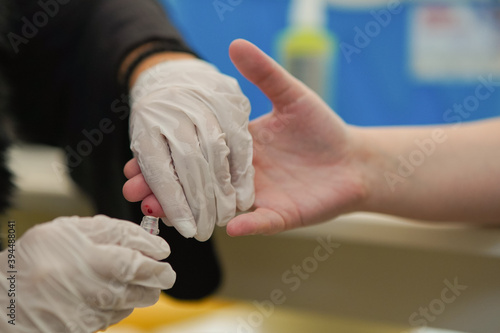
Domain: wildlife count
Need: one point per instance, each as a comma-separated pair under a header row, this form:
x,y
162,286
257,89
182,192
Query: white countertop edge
x,y
378,229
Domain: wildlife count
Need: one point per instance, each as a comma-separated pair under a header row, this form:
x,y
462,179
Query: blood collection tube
x,y
150,224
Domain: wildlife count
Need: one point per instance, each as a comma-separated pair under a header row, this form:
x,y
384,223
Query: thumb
x,y
275,82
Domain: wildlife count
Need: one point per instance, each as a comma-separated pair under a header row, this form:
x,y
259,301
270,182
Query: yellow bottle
x,y
306,48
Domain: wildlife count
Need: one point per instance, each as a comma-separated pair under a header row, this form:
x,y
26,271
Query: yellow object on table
x,y
219,315
165,312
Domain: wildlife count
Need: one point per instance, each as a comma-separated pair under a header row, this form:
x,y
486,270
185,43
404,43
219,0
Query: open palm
x,y
303,153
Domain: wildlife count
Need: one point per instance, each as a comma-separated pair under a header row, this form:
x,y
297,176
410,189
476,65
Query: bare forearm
x,y
449,172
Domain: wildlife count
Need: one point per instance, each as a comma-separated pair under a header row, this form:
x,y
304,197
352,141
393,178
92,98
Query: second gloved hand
x,y
189,132
82,275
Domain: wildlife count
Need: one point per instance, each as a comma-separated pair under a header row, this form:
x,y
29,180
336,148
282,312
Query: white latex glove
x,y
82,275
189,132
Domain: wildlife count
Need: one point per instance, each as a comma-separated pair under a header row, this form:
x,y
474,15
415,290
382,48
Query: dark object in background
x,y
6,185
196,265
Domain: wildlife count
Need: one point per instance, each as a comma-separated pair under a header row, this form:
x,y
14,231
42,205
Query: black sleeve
x,y
61,44
68,94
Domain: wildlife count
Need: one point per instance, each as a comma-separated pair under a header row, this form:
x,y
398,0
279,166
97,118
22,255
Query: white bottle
x,y
306,48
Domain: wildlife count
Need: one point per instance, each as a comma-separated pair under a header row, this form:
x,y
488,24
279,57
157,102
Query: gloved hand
x,y
189,132
82,275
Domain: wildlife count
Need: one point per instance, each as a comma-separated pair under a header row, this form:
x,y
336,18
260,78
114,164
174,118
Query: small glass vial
x,y
150,224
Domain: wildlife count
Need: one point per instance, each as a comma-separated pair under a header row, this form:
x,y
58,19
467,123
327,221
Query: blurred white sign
x,y
454,42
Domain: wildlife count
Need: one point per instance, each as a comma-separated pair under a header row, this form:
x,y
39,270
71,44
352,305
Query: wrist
x,y
186,73
371,163
144,57
154,60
